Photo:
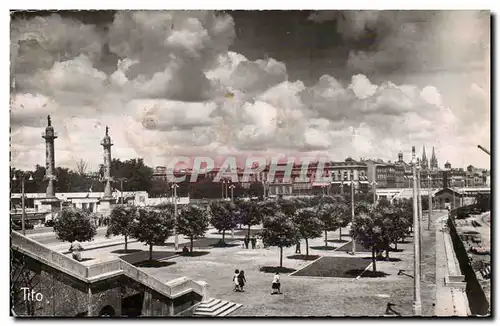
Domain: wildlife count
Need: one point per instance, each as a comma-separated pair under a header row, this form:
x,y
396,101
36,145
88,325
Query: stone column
x,y
49,135
106,144
50,194
107,199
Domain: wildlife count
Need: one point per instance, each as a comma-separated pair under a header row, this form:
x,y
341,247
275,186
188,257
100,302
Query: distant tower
x,y
424,163
106,144
400,157
49,135
434,161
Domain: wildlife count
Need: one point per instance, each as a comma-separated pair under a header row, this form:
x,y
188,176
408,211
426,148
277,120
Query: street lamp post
x,y
420,215
232,192
353,216
121,187
225,188
23,205
374,189
417,305
174,187
430,203
222,188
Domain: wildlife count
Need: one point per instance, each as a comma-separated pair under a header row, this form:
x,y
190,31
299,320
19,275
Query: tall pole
x,y
175,215
417,305
352,216
225,187
232,192
374,186
430,204
23,216
420,215
222,189
121,190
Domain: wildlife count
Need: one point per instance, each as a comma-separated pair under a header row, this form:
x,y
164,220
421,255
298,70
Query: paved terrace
x,y
302,296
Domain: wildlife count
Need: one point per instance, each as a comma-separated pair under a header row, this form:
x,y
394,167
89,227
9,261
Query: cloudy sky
x,y
364,84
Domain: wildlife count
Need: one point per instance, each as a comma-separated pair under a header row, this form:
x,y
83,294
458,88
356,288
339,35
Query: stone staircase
x,y
215,308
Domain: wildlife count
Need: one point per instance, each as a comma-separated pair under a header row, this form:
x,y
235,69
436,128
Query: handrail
x,y
41,251
86,273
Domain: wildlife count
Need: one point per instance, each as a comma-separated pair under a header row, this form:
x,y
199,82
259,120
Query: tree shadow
x,y
123,251
87,259
194,253
323,248
303,257
154,263
274,269
338,241
391,259
405,241
143,255
368,274
225,245
397,250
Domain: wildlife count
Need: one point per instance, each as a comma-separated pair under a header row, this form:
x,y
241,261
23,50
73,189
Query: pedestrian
x,y
247,240
232,233
297,248
75,249
241,280
276,286
242,244
259,243
254,241
235,281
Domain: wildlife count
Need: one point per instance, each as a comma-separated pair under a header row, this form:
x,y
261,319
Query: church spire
x,y
434,161
424,164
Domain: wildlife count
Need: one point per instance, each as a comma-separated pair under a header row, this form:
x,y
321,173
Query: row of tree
x,y
285,222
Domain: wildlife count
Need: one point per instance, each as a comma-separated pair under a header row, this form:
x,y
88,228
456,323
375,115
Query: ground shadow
x,y
338,241
323,248
370,273
143,255
404,242
123,251
390,259
194,253
225,245
303,257
154,263
87,259
397,250
274,269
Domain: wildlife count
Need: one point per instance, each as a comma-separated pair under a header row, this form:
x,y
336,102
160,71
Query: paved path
x,y
449,301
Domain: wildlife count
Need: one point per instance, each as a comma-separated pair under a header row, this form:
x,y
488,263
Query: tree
x,y
369,230
249,213
73,224
333,214
279,230
192,222
308,224
223,216
81,167
153,226
403,220
121,221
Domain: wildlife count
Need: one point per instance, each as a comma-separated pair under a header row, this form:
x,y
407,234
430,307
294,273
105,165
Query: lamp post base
x,y
417,309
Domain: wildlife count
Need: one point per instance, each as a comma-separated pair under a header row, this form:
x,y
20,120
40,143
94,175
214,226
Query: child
x,y
276,284
241,280
235,281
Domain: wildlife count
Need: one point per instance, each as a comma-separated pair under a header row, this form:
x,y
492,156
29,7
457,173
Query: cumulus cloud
x,y
167,84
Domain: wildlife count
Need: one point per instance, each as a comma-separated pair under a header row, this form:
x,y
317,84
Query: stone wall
x,y
478,303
